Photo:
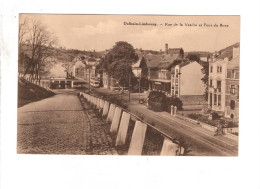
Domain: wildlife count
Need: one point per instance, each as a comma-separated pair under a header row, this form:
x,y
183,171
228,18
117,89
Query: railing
x,y
43,84
119,119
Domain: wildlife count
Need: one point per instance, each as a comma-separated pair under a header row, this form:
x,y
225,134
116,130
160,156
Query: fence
x,y
44,84
141,133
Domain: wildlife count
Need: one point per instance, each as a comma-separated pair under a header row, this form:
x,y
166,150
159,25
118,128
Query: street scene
x,y
128,85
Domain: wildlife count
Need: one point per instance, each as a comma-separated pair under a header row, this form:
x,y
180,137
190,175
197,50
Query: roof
x,y
185,63
164,65
152,60
175,51
161,61
91,60
137,64
226,54
228,51
234,63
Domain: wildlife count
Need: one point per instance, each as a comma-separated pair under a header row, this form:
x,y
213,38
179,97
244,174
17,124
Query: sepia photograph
x,y
129,94
128,85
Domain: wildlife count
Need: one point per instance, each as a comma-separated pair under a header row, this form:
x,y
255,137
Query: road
x,y
203,141
59,125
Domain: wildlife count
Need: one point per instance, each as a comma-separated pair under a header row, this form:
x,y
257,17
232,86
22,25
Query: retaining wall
x,y
120,120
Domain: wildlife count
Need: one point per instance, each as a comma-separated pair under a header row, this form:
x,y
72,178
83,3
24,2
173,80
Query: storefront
x,y
160,85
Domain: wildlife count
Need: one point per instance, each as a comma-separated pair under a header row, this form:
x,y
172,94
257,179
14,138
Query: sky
x,y
100,32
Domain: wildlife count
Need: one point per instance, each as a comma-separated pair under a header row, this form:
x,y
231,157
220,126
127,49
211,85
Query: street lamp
x,y
88,67
139,74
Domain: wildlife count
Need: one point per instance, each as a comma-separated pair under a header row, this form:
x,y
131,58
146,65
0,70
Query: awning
x,y
161,80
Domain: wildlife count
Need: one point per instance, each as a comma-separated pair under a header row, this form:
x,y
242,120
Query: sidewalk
x,y
58,125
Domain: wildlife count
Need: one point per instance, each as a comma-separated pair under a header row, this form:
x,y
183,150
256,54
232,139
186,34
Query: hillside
x,y
28,92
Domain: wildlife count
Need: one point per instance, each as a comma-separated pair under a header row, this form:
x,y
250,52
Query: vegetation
x,y
214,122
159,102
205,79
156,100
38,43
118,63
29,92
175,101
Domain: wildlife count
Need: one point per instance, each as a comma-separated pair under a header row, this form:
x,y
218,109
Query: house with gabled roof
x,y
159,71
186,79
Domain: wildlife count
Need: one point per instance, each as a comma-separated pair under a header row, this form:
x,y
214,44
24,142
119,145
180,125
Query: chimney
x,y
213,58
236,52
166,48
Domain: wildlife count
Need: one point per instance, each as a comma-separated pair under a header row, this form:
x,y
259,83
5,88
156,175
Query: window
x,y
215,99
238,92
233,74
229,74
211,69
210,99
219,86
232,104
162,74
219,69
237,75
219,100
232,89
210,83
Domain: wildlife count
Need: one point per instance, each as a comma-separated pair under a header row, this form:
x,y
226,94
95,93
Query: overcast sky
x,y
100,32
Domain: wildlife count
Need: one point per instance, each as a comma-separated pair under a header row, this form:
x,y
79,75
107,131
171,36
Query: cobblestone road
x,y
60,125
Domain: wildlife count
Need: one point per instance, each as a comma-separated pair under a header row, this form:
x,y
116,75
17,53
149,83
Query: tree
x,y
205,78
118,63
39,44
144,74
193,57
68,63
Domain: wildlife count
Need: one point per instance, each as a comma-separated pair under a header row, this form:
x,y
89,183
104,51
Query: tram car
x,y
95,82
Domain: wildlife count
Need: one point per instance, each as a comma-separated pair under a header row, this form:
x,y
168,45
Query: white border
x,y
44,171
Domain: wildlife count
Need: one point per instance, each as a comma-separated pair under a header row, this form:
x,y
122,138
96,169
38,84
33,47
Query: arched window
x,y
232,104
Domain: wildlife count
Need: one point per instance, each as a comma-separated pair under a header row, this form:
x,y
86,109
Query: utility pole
x,y
89,79
129,80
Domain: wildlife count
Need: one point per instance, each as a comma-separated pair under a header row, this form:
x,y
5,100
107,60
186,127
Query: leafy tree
x,y
118,63
193,57
185,145
68,62
175,101
205,78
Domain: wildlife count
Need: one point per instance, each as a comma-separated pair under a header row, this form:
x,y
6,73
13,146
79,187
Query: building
x,y
159,71
186,79
159,68
79,69
109,82
85,68
172,74
232,90
217,84
223,90
138,66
